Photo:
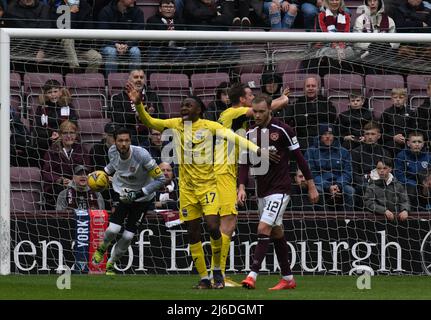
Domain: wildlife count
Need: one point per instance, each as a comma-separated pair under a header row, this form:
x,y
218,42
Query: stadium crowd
x,y
343,149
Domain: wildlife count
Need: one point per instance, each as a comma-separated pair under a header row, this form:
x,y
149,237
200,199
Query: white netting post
x,y
5,154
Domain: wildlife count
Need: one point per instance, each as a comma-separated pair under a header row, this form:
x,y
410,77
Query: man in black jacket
x,y
121,15
423,114
308,112
124,111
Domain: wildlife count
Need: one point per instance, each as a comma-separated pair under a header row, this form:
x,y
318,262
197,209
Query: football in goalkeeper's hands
x,y
98,181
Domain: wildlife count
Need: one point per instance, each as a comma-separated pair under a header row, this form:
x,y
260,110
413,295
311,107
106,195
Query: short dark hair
x,y
261,98
372,125
122,130
166,2
356,95
386,161
199,101
236,91
416,134
223,87
50,84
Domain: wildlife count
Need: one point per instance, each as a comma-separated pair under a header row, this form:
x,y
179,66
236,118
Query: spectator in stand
x,y
241,15
374,20
155,146
397,121
55,107
331,166
79,50
365,157
124,111
99,159
308,112
204,15
59,162
282,14
20,143
78,195
221,102
425,192
31,14
352,121
121,15
423,116
413,16
385,195
167,197
310,9
299,200
334,19
272,85
411,164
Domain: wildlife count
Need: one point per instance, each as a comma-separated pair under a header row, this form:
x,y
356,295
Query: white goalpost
x,y
302,249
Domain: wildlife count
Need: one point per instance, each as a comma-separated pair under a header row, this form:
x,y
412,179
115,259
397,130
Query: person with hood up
x,y
385,195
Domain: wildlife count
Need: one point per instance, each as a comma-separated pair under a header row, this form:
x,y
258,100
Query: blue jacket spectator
x,y
410,165
331,166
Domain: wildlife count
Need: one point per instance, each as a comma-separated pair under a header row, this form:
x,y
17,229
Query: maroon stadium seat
x,y
339,86
417,88
204,84
116,82
16,95
295,81
85,83
91,131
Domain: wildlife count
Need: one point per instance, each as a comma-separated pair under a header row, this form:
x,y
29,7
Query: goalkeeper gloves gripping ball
x,y
131,195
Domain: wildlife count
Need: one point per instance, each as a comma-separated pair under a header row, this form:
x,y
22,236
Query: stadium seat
x,y
337,88
25,189
91,131
296,82
85,83
417,89
172,88
253,58
89,106
117,82
287,66
204,84
378,105
253,80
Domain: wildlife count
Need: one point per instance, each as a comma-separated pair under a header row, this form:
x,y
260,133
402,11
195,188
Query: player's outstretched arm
x,y
144,116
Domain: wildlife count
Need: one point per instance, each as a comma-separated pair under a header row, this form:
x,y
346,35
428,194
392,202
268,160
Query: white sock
x,y
253,275
288,278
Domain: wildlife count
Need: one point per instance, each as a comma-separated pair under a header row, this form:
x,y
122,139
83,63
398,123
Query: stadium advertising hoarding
x,y
43,244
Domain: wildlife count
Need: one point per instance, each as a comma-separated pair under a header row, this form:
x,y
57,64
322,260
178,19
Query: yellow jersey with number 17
x,y
194,145
226,155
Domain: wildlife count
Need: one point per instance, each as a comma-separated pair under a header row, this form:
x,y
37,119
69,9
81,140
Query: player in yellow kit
x,y
234,118
199,197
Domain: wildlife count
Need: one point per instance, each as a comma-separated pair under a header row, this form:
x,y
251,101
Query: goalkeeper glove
x,y
131,195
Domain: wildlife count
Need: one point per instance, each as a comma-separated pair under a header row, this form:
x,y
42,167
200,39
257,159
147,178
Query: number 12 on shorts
x,y
210,196
272,206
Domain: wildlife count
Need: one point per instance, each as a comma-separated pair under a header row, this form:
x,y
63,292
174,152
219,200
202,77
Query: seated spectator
x,y
365,157
310,9
124,112
385,195
423,116
308,111
397,121
410,165
59,162
155,146
299,200
81,18
99,159
204,15
78,195
167,198
281,14
425,192
55,107
31,14
374,20
121,15
331,166
413,16
334,19
221,102
20,143
352,121
272,84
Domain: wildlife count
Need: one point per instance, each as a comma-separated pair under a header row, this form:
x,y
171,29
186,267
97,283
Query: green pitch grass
x,y
175,287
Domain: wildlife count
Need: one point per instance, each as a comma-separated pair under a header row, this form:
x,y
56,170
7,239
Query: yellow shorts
x,y
198,202
226,186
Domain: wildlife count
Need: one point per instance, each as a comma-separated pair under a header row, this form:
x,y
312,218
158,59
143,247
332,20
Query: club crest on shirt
x,y
424,164
274,136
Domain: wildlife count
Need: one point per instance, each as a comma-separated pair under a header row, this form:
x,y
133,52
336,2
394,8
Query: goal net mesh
x,y
326,238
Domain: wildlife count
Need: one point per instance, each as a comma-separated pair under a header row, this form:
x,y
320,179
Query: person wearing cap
x,y
78,194
99,158
331,166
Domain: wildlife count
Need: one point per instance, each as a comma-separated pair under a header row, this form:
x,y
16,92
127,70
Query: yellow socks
x,y
224,252
199,259
216,246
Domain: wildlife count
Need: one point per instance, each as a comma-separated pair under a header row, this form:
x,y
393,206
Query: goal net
x,y
338,236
